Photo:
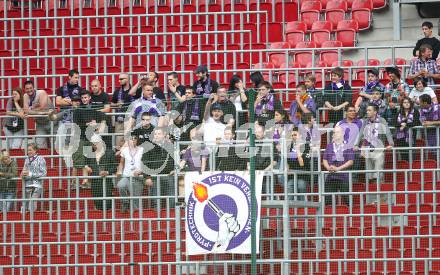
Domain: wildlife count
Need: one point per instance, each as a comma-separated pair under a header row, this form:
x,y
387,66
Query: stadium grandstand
x,y
118,117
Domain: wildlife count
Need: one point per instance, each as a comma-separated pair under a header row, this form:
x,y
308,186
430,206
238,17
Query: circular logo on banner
x,y
219,198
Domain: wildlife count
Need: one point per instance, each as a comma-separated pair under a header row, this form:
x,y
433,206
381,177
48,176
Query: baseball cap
x,y
201,69
216,106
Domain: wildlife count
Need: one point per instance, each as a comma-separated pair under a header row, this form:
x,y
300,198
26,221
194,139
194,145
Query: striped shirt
x,y
430,65
36,166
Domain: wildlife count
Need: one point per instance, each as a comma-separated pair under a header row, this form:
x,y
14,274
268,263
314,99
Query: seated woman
x,y
130,168
421,88
337,157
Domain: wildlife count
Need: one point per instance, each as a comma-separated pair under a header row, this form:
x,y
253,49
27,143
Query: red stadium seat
x,y
286,11
310,12
295,32
280,57
363,17
362,4
335,11
330,56
346,32
319,36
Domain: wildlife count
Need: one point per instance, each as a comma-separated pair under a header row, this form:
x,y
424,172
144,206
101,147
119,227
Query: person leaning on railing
x,y
14,126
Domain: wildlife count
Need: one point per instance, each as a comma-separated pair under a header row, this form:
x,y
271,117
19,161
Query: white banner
x,y
218,212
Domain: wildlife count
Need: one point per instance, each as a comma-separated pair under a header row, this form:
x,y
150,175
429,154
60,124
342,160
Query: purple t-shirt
x,y
309,103
351,130
337,158
194,158
430,114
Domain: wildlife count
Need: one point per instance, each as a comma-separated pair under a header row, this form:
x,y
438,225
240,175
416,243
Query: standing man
x,y
428,39
37,102
147,103
337,95
99,99
68,90
153,79
204,85
373,137
121,99
175,90
424,66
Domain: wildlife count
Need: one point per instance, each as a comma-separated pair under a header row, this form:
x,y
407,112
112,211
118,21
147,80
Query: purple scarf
x,y
195,110
335,87
377,102
266,104
205,92
401,118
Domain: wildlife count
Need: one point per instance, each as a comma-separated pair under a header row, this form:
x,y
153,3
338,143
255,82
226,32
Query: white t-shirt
x,y
415,94
213,130
237,103
133,160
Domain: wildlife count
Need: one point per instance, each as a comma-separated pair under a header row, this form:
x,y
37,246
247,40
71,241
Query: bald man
x,y
99,99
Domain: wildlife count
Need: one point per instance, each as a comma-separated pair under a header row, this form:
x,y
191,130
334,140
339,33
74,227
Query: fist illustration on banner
x,y
228,227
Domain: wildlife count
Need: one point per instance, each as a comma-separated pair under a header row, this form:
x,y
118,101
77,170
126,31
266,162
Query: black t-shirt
x,y
232,158
83,115
98,101
228,110
159,157
336,97
142,133
432,41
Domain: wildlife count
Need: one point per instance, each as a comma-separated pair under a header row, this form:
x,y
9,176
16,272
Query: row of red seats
x,y
323,59
283,12
336,10
345,32
187,38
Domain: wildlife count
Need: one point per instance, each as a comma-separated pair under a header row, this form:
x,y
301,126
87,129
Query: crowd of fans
x,y
208,120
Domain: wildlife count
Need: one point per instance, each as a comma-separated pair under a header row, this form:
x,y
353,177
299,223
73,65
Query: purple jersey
x,y
337,156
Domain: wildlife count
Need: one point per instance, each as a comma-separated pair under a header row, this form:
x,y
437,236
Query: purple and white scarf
x,y
401,118
266,104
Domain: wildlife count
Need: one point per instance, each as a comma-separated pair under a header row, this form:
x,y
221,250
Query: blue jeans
x,y
4,197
